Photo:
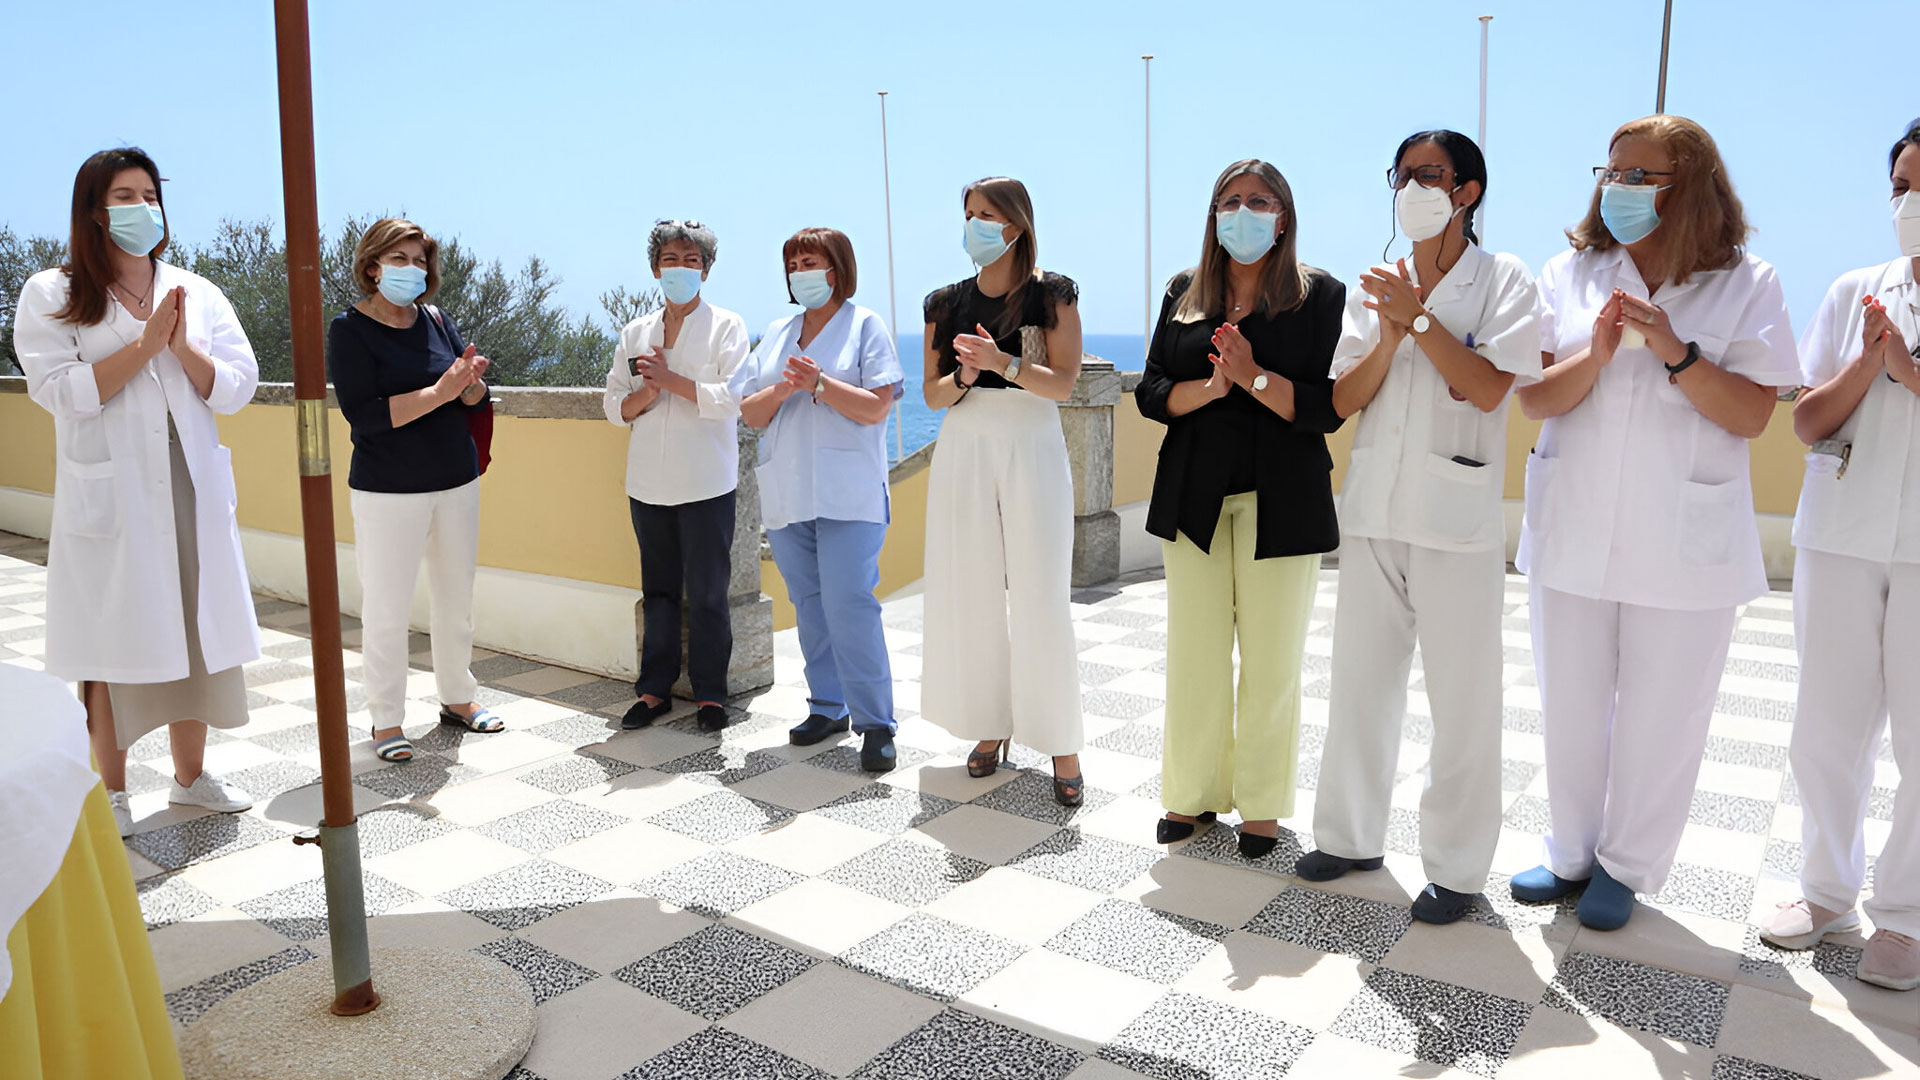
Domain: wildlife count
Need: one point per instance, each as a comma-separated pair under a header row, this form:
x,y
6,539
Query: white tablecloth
x,y
45,774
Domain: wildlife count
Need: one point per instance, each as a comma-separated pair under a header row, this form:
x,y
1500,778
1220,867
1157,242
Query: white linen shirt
x,y
679,451
1404,481
1873,512
814,462
113,571
1633,496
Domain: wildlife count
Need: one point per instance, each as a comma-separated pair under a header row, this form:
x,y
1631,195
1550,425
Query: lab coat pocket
x,y
223,475
1708,515
1539,481
1458,500
85,503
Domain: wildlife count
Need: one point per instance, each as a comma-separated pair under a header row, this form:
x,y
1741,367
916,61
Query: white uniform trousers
x,y
1626,694
391,534
999,659
1858,628
1392,595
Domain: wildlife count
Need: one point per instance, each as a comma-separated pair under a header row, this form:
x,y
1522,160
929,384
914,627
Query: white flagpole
x,y
1480,215
893,315
1146,338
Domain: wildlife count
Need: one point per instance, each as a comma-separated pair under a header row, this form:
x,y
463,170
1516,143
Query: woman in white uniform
x,y
147,598
1856,599
1002,350
1663,341
1423,548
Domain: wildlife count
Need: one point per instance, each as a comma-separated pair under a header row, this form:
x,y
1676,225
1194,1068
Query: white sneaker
x,y
122,812
212,793
1801,924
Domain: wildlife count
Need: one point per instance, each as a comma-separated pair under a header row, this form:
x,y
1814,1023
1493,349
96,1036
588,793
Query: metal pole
x,y
1666,28
1146,315
1480,215
893,314
339,836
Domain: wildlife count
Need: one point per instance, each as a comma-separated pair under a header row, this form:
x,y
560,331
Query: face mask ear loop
x,y
1393,218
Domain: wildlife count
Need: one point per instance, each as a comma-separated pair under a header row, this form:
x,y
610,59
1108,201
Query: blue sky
x,y
564,128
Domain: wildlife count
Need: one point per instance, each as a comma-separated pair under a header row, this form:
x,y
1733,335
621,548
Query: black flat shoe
x,y
1255,846
712,717
1169,831
1322,866
1441,906
640,714
876,753
815,728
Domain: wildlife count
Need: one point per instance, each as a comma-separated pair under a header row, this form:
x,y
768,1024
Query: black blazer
x,y
1236,444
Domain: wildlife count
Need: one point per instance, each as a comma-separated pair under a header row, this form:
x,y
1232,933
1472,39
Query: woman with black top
x,y
1238,371
1002,349
405,382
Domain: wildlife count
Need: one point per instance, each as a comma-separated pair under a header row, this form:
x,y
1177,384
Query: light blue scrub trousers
x,y
831,569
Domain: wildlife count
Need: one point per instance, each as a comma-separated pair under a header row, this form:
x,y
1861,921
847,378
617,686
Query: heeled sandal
x,y
984,763
1070,790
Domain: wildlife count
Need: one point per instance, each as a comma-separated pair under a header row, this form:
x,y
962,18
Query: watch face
x,y
1421,323
1259,382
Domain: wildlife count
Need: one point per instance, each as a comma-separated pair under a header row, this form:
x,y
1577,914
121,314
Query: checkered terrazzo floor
x,y
691,906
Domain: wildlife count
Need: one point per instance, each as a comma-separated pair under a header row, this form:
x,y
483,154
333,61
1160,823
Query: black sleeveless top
x,y
956,309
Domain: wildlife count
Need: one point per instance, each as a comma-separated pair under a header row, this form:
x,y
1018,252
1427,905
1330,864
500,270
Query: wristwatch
x,y
819,384
1259,382
1013,368
1421,324
1687,361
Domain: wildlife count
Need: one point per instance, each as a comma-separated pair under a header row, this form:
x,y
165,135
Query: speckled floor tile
x,y
715,971
1091,862
1333,922
718,883
932,956
1650,999
1140,941
1434,1021
721,817
548,974
906,872
542,828
1186,1037
519,896
886,808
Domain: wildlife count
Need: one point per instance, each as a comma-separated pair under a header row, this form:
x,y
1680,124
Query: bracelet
x,y
1687,361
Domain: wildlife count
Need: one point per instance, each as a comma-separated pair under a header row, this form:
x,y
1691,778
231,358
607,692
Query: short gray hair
x,y
666,232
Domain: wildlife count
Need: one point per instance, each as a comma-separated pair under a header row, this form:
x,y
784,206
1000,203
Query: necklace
x,y
143,299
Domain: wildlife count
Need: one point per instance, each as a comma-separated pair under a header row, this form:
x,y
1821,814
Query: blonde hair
x,y
1283,280
1704,226
383,236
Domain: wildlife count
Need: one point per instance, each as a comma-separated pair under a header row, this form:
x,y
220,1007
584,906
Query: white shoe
x,y
122,812
212,793
1801,924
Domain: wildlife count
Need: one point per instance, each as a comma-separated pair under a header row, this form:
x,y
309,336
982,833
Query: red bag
x,y
480,420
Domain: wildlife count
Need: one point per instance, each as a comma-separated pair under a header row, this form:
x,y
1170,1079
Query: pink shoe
x,y
1800,924
1891,960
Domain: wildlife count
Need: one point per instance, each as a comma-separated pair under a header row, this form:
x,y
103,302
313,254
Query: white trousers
x,y
1857,624
1393,595
1626,694
999,658
391,534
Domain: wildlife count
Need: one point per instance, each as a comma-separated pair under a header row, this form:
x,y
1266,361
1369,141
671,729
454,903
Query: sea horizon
x,y
917,425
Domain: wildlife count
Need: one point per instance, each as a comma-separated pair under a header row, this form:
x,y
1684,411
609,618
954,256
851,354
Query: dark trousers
x,y
685,549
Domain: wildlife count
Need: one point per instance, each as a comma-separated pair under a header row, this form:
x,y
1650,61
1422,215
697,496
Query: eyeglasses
x,y
1426,175
1633,177
688,224
1259,204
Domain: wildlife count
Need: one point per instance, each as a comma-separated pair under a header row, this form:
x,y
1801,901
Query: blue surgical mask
x,y
679,284
1627,210
1246,234
402,285
136,227
985,241
810,287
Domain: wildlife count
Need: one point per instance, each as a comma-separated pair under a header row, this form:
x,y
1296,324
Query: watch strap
x,y
1687,361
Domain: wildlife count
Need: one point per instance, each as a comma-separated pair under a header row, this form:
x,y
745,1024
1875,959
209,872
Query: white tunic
x,y
681,451
113,573
1873,512
1405,481
1633,496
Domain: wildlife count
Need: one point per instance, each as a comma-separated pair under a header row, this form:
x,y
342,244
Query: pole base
x,y
442,1016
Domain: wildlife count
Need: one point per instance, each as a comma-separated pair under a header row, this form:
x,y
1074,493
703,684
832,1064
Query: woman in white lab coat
x,y
1663,342
147,597
1430,349
1856,600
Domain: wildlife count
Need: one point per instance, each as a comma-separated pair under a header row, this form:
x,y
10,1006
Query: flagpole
x,y
1480,215
893,314
1146,313
1666,28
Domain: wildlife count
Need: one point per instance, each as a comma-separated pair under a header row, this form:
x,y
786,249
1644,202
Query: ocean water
x,y
914,426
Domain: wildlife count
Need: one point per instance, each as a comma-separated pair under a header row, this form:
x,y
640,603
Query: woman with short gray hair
x,y
669,389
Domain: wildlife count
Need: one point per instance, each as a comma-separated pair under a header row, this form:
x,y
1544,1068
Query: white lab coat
x,y
113,577
678,451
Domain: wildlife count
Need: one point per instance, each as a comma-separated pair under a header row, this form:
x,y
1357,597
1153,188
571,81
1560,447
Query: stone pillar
x,y
750,609
1087,420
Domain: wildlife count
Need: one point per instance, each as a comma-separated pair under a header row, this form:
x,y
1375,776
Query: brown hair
x,y
1283,280
831,245
89,266
383,236
1010,200
1704,226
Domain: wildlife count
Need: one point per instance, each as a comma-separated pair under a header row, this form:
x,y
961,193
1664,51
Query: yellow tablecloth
x,y
85,1003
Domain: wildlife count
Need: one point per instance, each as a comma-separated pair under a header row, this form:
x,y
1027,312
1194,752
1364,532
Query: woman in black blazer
x,y
1238,371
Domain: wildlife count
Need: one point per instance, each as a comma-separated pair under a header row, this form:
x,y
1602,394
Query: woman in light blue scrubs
x,y
821,385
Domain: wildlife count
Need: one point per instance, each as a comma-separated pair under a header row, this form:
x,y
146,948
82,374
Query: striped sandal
x,y
393,748
482,720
